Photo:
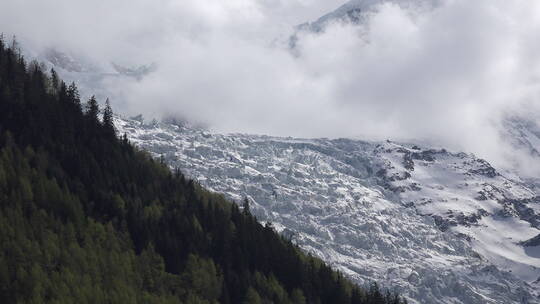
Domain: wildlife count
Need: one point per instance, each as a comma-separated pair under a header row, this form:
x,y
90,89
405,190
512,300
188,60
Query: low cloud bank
x,y
449,75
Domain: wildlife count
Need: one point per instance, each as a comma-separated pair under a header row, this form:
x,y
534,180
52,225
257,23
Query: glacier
x,y
436,226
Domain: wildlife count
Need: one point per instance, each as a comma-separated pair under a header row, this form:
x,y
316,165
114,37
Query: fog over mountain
x,y
448,72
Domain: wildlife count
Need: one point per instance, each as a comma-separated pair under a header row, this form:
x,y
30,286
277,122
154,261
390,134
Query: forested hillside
x,y
87,218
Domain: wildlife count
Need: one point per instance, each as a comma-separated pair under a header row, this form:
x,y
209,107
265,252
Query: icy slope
x,y
439,227
523,133
467,195
526,133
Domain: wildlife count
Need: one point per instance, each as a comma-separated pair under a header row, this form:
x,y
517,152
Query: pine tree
x,y
108,121
15,47
245,207
55,82
252,297
73,94
92,109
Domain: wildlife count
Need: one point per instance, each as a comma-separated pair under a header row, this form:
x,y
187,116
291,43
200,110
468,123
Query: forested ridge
x,y
85,217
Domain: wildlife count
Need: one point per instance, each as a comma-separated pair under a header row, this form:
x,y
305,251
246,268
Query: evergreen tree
x,y
73,95
245,207
92,109
108,120
15,47
252,297
55,82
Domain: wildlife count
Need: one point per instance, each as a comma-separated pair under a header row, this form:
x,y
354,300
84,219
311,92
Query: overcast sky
x,y
450,74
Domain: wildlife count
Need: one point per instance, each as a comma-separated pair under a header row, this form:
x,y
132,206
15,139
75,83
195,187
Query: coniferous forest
x,y
85,217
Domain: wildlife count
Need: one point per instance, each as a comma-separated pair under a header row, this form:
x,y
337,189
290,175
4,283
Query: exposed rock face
x,y
535,241
355,12
435,225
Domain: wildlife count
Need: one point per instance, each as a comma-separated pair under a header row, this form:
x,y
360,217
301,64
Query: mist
x,y
450,75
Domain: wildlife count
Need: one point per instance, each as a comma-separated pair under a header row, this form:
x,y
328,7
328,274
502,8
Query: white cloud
x,y
448,75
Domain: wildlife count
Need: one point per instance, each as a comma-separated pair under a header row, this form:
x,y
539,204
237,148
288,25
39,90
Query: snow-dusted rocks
x,y
439,227
355,12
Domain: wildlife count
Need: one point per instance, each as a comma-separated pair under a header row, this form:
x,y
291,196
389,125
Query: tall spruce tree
x,y
92,109
55,82
73,94
108,119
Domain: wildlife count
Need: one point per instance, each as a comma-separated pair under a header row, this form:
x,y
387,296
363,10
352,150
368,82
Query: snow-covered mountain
x,y
438,226
523,133
526,134
355,12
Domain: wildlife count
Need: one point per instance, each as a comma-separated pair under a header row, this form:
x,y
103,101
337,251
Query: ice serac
x,y
437,226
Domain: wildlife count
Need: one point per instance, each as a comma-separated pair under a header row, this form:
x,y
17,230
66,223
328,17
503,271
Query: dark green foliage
x,y
245,207
92,109
87,218
108,122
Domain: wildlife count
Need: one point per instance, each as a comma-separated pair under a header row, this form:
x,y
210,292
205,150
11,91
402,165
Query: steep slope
x,y
87,218
441,227
523,133
526,134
